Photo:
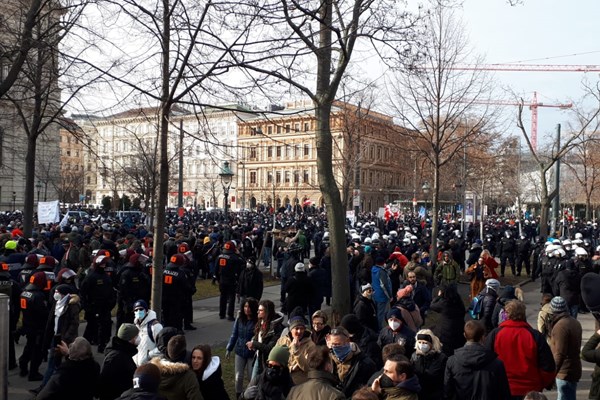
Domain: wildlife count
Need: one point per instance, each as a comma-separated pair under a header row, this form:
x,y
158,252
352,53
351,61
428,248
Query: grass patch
x,y
228,369
205,288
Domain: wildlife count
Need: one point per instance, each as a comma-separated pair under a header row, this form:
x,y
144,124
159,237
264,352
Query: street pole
x,y
556,200
180,188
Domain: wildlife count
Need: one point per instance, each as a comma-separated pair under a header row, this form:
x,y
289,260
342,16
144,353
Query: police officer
x,y
99,298
175,289
191,274
31,263
47,266
134,284
507,252
34,307
523,255
229,266
11,288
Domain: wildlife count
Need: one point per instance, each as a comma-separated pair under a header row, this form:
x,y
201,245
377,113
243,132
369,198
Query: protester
x,y
320,383
398,380
274,382
429,364
451,318
397,331
177,380
266,333
208,372
299,343
149,327
320,329
146,380
242,332
118,366
365,308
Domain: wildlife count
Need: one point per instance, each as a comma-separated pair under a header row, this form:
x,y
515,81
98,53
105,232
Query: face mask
x,y
140,314
386,382
424,347
57,296
368,295
273,373
249,265
341,352
425,260
138,340
394,325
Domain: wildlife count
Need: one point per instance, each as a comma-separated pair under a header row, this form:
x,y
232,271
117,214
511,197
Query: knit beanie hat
x,y
147,377
296,321
127,332
80,349
395,312
365,287
299,267
405,291
280,354
64,289
589,291
558,305
352,324
493,284
176,348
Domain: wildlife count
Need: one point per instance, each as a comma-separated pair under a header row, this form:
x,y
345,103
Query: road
x,y
215,332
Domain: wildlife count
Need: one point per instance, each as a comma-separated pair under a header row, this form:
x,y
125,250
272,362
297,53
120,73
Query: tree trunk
x,y
163,185
29,180
434,210
545,205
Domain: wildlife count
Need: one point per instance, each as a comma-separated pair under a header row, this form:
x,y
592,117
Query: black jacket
x,y
299,290
475,373
213,386
229,266
487,308
361,369
366,312
73,380
140,394
367,343
451,322
567,285
250,283
117,369
430,368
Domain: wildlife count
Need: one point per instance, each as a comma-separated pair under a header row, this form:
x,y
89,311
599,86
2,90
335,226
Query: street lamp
x,y
14,201
195,199
226,178
426,188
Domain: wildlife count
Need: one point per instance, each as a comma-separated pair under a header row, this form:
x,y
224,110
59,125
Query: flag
x,y
422,212
65,220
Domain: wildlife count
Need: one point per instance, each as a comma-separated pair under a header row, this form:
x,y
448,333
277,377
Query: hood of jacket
x,y
149,317
213,366
474,355
118,344
277,321
407,303
74,299
170,368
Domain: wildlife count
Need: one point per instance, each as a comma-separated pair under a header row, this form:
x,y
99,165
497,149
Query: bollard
x,y
4,328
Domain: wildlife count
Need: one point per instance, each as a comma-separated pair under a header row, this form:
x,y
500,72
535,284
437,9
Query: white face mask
x,y
57,296
394,325
137,341
424,347
139,314
249,265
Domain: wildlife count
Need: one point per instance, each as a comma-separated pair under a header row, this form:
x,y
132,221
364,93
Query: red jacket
x,y
397,255
526,356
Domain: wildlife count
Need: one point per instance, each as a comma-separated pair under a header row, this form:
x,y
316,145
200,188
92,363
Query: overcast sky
x,y
538,32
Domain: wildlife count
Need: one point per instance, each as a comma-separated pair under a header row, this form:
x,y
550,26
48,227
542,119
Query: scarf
x,y
60,309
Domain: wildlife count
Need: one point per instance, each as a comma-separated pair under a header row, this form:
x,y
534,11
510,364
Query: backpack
x,y
476,307
149,326
502,316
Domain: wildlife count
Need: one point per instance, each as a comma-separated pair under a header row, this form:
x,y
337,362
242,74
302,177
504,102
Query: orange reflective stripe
x,y
222,262
48,285
168,279
23,304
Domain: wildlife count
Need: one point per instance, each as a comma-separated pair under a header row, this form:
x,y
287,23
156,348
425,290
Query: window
x,y
253,177
270,130
270,177
252,153
297,127
278,177
287,151
89,180
379,153
278,151
270,151
306,150
68,153
306,127
306,177
287,128
371,153
278,129
370,178
89,167
297,151
296,176
287,176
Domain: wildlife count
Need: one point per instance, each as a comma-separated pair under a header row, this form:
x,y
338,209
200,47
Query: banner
x,y
48,212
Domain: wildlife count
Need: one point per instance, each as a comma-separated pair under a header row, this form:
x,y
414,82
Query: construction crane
x,y
533,106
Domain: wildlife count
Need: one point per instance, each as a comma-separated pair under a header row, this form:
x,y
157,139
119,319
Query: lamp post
x,y
426,187
195,199
14,201
226,178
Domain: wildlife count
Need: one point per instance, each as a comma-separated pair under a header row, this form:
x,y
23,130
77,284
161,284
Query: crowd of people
x,y
382,349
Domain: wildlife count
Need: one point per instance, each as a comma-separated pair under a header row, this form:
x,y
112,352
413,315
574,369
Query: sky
x,y
537,32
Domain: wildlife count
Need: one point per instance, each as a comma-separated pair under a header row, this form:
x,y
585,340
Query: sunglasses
x,y
336,332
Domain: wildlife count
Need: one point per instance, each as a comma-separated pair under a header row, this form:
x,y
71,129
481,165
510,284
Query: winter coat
x,y
591,353
382,286
118,367
450,326
406,390
410,313
320,337
507,294
526,356
250,283
318,280
475,373
240,335
430,368
73,380
298,361
404,336
320,385
140,394
366,312
211,382
177,380
299,290
358,369
147,345
565,342
487,308
68,322
367,343
478,275
260,388
447,273
266,342
567,285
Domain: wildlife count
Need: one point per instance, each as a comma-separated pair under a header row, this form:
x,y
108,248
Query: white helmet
x,y
393,234
375,236
579,236
580,251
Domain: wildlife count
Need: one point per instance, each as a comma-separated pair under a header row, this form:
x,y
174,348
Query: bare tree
x,y
438,105
587,121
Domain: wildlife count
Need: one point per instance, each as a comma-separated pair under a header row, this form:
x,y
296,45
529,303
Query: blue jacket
x,y
241,334
382,286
